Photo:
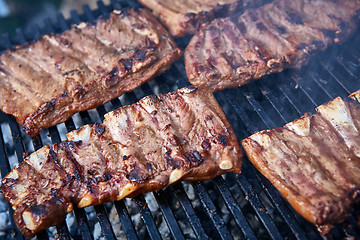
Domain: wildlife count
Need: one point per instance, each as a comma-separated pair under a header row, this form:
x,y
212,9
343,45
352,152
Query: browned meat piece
x,y
182,135
45,82
314,161
230,52
184,17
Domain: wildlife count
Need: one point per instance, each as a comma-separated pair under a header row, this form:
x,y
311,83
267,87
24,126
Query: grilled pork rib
x,y
314,161
184,17
231,51
45,82
182,135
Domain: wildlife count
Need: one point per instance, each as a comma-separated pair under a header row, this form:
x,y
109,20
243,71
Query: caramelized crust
x,y
184,17
145,147
314,161
231,51
45,82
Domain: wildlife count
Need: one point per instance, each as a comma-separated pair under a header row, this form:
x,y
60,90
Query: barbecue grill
x,y
230,206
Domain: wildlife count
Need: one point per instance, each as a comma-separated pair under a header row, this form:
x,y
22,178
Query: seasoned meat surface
x,y
184,17
314,161
182,135
45,82
231,51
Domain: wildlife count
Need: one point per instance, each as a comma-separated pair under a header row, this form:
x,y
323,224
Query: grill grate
x,y
228,207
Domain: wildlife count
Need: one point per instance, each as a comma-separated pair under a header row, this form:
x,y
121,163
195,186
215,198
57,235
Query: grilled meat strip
x,y
45,82
184,17
230,52
182,135
314,161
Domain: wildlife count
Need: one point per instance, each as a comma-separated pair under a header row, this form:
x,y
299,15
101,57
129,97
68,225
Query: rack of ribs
x,y
314,161
182,135
183,17
231,51
43,83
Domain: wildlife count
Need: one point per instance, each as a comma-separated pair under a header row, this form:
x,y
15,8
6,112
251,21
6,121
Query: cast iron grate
x,y
231,206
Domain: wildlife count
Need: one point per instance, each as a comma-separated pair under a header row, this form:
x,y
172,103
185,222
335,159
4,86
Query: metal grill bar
x,y
5,168
234,208
211,210
83,224
147,217
125,220
259,208
169,216
189,211
106,228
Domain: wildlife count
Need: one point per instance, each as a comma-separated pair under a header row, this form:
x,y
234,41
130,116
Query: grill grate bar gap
x,y
243,111
212,211
258,109
115,4
83,224
331,73
19,37
37,143
284,108
75,17
63,231
87,11
269,96
326,83
102,7
4,165
62,22
102,216
126,222
313,93
17,139
5,42
168,215
348,64
42,235
300,107
254,201
189,211
234,208
147,217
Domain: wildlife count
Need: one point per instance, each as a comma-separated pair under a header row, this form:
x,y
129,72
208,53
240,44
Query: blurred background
x,y
25,13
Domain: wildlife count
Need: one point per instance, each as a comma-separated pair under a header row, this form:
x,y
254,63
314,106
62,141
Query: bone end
x,y
128,188
175,175
226,165
29,220
85,202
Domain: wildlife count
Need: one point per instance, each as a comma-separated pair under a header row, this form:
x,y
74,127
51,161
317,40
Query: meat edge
x,y
34,123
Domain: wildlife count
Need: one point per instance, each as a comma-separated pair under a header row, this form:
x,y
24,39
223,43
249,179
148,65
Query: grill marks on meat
x,y
314,161
231,51
184,17
182,135
45,82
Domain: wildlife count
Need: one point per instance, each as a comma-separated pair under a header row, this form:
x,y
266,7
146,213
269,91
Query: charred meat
x,y
182,135
183,17
45,82
231,51
314,161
